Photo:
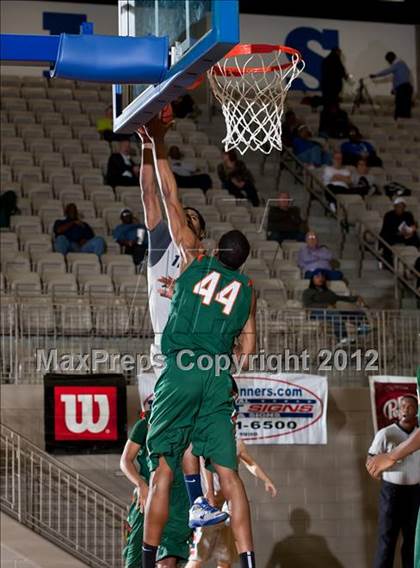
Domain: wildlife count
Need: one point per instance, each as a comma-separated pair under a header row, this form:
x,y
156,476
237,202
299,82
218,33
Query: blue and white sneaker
x,y
202,514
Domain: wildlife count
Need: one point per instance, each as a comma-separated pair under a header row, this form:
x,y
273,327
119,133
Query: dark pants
x,y
248,191
281,236
403,101
413,241
137,252
338,320
329,274
203,181
398,508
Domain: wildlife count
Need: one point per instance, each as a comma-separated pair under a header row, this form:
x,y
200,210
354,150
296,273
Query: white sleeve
x,y
378,446
327,175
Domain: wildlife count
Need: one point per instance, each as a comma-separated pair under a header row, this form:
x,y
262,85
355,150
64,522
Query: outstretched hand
x,y
376,465
168,286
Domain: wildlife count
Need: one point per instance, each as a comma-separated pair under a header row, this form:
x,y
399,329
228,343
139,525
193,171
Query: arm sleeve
x,y
159,241
378,445
88,232
386,71
307,297
138,433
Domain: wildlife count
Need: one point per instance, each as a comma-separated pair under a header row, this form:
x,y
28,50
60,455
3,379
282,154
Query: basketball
x,y
166,115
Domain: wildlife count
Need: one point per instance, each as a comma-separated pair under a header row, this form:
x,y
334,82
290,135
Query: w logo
x,y
86,422
85,413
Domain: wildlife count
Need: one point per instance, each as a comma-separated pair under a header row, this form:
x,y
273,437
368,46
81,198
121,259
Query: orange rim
x,y
250,49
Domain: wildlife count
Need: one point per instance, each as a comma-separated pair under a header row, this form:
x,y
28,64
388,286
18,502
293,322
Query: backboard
x,y
200,33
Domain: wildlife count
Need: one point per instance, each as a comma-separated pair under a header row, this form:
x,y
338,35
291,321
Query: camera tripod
x,y
362,96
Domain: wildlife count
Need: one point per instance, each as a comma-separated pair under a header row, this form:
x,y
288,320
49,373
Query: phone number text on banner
x,y
284,408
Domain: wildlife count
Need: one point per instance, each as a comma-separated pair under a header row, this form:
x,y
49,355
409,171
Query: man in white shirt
x,y
400,489
337,179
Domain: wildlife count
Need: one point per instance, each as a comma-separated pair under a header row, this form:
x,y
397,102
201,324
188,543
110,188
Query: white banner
x,y
285,408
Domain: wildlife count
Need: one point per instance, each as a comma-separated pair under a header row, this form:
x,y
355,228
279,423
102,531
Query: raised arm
x,y
255,469
148,189
181,233
247,341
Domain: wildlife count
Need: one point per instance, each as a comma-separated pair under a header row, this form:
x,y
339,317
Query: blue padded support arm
x,y
32,49
112,59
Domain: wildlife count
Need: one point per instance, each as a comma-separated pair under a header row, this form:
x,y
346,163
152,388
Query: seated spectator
x,y
288,128
131,236
8,207
399,228
337,178
104,125
236,178
184,106
186,174
285,221
356,148
334,122
362,182
322,300
312,256
309,151
73,235
121,168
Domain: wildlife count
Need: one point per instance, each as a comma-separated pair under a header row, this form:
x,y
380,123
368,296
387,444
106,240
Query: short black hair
x,y
411,397
233,249
199,215
390,56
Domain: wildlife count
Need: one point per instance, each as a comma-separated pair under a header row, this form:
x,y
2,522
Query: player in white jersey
x,y
164,258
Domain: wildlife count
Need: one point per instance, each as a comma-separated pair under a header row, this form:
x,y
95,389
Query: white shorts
x,y
214,543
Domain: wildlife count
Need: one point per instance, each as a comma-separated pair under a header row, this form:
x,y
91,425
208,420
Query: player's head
x,y
407,411
233,249
390,57
195,221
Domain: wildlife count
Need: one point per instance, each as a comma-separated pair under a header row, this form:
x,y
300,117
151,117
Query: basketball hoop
x,y
251,84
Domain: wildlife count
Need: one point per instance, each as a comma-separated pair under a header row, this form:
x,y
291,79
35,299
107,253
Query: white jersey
x,y
164,260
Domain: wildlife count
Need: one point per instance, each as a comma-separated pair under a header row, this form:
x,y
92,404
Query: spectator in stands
x,y
73,235
313,256
307,150
362,182
288,128
399,228
322,302
285,221
104,125
399,499
402,84
131,236
184,106
337,179
356,148
186,173
334,122
332,75
121,168
8,207
236,178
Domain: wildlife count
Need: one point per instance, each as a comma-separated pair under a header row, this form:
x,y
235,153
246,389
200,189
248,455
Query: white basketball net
x,y
252,102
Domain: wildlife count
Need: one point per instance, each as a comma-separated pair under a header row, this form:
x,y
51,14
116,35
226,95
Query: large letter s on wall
x,y
299,39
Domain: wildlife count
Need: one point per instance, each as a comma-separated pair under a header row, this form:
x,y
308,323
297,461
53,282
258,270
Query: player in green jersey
x,y
176,536
212,315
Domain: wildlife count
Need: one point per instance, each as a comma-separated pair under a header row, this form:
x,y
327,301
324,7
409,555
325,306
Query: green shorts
x,y
192,406
176,535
